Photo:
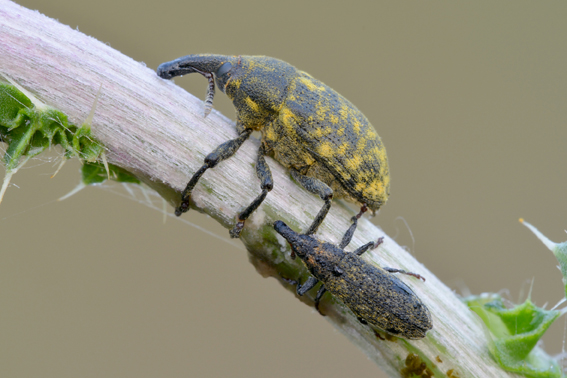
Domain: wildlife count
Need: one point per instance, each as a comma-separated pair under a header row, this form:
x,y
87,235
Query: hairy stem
x,y
157,131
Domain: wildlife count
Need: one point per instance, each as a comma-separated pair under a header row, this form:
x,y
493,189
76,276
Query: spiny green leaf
x,y
95,173
29,130
513,334
558,249
11,102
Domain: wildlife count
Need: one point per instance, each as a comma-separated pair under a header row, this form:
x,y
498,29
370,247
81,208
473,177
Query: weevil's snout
x,y
171,69
301,244
201,63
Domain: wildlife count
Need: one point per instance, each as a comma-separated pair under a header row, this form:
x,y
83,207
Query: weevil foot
x,y
416,276
289,281
363,209
393,270
236,230
378,335
378,242
182,208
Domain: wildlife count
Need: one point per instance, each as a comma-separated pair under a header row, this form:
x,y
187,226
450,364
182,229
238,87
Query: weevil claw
x,y
182,208
236,230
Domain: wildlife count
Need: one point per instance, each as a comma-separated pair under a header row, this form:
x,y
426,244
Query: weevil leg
x,y
369,246
378,335
316,187
372,245
307,285
265,175
222,152
359,251
392,270
318,297
289,281
350,232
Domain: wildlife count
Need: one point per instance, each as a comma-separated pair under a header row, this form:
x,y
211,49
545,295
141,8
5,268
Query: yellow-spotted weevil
x,y
374,295
327,143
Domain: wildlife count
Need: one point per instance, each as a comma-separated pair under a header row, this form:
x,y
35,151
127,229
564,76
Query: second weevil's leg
x,y
368,246
222,152
350,232
316,187
307,285
373,245
393,270
318,297
265,176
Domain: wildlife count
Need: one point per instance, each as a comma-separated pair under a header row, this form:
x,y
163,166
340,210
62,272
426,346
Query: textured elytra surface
x,y
380,298
348,152
310,127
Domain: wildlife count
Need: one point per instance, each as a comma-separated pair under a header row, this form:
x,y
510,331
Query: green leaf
x,y
29,130
12,101
95,173
513,334
558,249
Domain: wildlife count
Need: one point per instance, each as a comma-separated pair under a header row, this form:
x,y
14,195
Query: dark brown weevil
x,y
373,294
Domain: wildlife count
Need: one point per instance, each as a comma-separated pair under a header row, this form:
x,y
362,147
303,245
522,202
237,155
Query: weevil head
x,y
257,85
302,245
221,66
320,258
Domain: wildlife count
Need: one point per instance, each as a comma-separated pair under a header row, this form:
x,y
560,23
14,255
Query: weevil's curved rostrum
x,y
373,294
329,146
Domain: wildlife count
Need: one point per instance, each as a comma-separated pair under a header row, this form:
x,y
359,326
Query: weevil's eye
x,y
223,69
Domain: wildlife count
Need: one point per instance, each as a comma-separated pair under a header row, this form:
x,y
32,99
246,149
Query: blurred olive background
x,y
470,101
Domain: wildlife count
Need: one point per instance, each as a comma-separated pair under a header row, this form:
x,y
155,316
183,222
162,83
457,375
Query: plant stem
x,y
156,130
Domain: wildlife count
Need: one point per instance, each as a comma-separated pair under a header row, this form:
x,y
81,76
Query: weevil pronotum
x,y
374,294
329,146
